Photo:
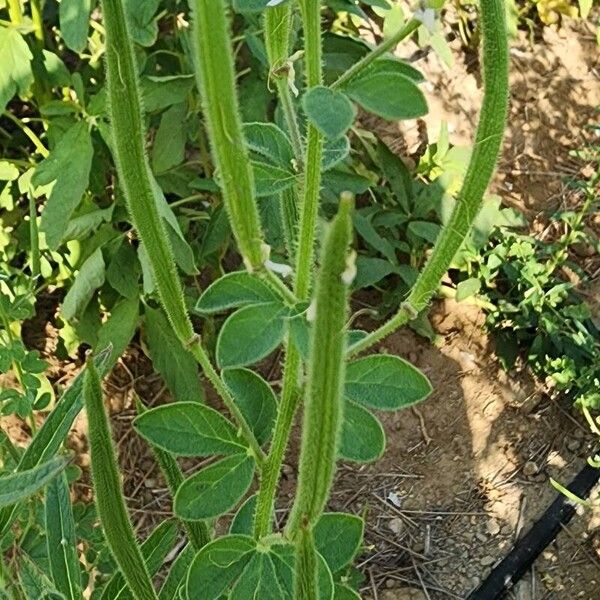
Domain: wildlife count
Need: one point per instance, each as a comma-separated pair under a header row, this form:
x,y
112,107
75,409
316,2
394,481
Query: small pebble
x,y
396,525
530,469
493,527
487,561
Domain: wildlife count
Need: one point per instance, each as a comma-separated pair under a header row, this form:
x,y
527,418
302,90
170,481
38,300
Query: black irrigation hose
x,y
541,534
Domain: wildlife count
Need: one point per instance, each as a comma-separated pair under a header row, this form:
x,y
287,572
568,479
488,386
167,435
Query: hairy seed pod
x,y
108,493
323,400
216,80
488,141
132,164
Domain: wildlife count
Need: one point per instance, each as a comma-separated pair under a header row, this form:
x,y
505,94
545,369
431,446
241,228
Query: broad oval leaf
x,y
385,382
343,592
20,486
387,92
189,429
334,152
256,400
271,179
363,438
270,142
232,291
250,334
218,565
243,522
330,111
338,537
216,489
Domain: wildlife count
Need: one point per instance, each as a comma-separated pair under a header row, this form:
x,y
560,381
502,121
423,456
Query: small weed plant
x,y
284,190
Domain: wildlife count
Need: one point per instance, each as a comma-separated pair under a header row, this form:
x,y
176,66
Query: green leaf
x,y
154,550
171,360
467,288
232,291
143,26
184,256
271,179
21,485
176,578
34,581
189,429
124,271
370,270
216,489
264,573
330,111
68,165
88,280
119,328
168,149
250,334
385,382
363,438
15,58
256,400
74,18
270,142
160,92
217,565
243,522
334,152
425,230
60,539
385,89
338,537
343,592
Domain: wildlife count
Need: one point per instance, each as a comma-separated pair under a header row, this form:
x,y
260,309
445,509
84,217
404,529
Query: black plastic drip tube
x,y
542,533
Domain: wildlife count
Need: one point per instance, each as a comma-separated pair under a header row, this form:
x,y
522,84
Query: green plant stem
x,y
283,424
108,494
137,181
277,23
492,123
41,149
38,23
200,355
304,262
34,240
305,580
216,80
15,12
323,401
382,49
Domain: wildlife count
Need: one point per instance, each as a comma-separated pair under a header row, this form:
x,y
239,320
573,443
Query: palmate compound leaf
x,y
233,291
250,570
250,334
385,382
189,429
255,398
216,489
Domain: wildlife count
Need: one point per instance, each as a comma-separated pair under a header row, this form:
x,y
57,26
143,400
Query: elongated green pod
x,y
323,405
125,115
197,531
216,80
108,493
488,141
311,20
305,567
